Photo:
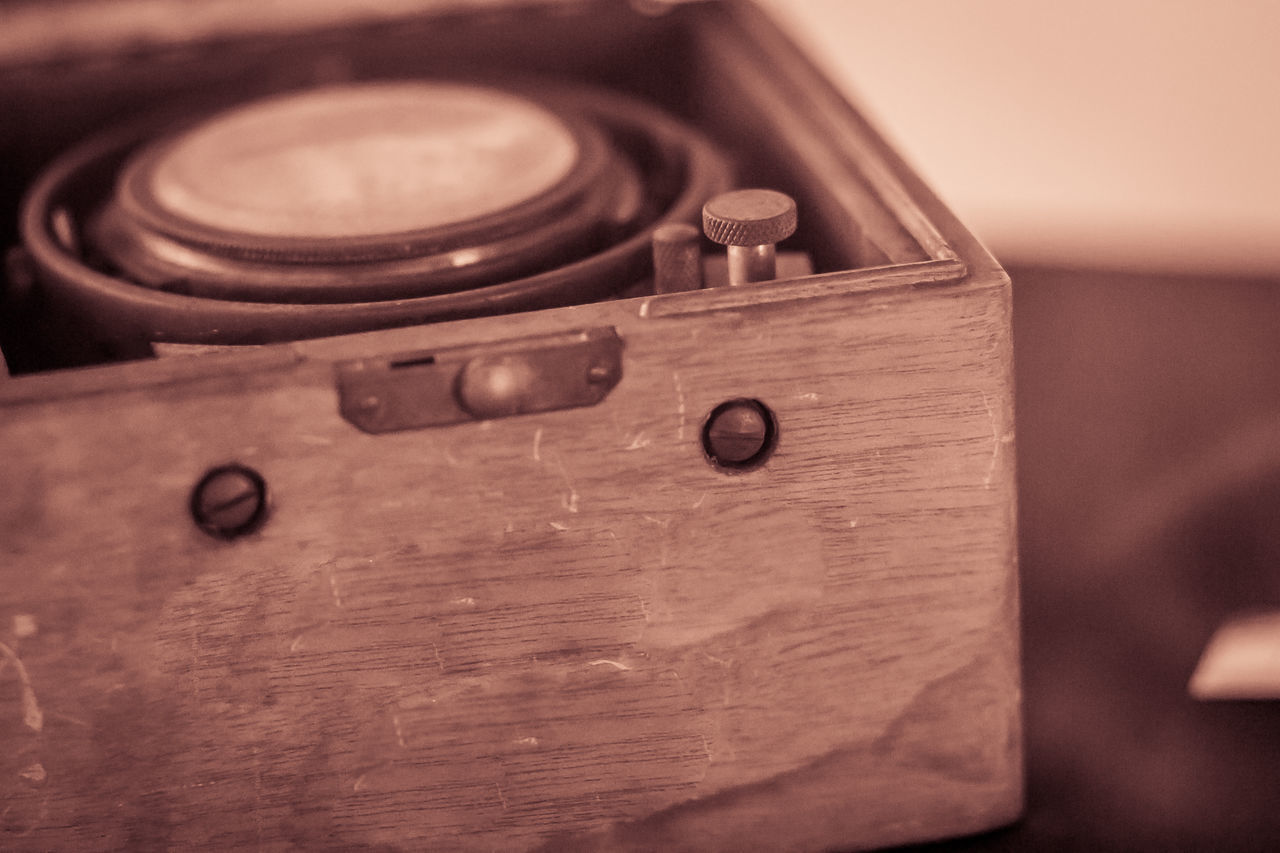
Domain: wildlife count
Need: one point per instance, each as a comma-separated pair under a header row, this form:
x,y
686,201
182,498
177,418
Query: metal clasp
x,y
517,377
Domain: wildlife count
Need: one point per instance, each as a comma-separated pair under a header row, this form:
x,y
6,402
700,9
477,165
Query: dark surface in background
x,y
1148,416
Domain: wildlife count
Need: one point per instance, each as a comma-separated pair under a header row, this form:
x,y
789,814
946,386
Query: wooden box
x,y
564,629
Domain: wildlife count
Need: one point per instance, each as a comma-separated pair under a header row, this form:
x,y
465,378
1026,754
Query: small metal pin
x,y
600,373
677,258
750,222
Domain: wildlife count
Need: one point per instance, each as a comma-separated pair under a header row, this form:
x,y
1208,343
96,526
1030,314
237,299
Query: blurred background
x,y
1118,156
1126,133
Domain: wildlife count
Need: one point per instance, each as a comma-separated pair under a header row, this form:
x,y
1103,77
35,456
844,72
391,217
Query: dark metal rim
x,y
159,261
121,312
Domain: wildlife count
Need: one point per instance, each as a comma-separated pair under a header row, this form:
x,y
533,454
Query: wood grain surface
x,y
562,630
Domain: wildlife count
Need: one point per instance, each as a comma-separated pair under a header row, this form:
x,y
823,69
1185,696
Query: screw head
x,y
229,501
739,434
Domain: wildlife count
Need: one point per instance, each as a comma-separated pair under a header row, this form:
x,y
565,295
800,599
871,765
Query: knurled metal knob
x,y
677,258
751,217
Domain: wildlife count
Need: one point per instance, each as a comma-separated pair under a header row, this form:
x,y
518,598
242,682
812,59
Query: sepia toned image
x,y
637,425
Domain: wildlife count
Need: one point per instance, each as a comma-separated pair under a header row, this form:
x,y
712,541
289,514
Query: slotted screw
x,y
739,434
229,501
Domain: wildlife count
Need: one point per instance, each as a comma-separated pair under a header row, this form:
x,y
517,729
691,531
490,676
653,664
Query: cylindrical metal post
x,y
749,222
752,263
677,258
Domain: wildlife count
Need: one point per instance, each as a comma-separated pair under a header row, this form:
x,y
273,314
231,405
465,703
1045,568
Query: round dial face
x,y
361,160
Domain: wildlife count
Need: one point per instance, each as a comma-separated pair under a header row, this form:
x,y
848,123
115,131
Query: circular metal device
x,y
381,190
351,162
358,207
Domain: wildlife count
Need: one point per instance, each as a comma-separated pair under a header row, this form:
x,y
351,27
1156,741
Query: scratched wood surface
x,y
563,630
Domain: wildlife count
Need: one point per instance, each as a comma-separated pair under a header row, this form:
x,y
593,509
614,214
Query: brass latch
x,y
517,377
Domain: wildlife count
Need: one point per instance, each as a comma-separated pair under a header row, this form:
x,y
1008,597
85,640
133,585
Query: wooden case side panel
x,y
555,629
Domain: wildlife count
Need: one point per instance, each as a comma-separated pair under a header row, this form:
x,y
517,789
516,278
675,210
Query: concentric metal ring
x,y
680,171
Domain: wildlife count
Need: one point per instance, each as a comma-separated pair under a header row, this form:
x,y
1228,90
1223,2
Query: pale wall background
x,y
1127,133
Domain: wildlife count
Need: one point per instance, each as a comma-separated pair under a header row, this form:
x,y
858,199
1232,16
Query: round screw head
x,y
229,501
739,434
750,217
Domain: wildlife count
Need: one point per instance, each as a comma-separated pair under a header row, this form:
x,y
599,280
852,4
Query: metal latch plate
x,y
517,377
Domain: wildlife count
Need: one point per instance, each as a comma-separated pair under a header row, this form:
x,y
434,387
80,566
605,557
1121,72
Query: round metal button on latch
x,y
229,501
739,434
495,387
